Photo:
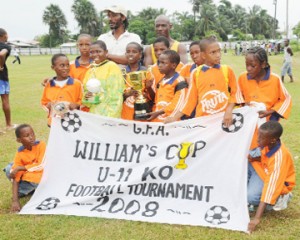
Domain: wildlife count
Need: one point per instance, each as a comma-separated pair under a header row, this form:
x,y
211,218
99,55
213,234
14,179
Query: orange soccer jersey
x,y
71,92
186,71
154,73
210,92
32,161
269,91
277,171
77,71
170,96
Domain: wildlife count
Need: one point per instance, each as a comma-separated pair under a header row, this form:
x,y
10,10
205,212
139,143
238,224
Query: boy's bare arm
x,y
290,51
183,53
176,117
15,204
3,54
147,57
119,59
16,170
227,119
256,220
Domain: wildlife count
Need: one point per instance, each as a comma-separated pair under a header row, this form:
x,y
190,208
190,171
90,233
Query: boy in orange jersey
x,y
171,89
154,75
195,53
273,181
26,170
133,54
61,88
209,91
260,85
81,64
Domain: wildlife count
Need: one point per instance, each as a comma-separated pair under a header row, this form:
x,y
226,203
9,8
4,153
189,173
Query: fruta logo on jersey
x,y
214,101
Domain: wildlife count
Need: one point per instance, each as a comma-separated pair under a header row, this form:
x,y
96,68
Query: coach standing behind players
x,y
163,27
117,39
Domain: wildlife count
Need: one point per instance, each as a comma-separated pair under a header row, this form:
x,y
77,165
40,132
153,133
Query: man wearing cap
x,y
162,28
117,39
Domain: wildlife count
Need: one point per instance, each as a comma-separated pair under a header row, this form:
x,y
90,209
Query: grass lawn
x,y
25,97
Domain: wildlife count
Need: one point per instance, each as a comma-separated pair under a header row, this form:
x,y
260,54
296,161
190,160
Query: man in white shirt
x,y
287,63
117,39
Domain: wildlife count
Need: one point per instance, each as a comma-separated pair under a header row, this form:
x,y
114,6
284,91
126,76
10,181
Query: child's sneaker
x,y
282,202
251,208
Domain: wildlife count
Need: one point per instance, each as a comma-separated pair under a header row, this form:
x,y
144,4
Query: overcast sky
x,y
23,18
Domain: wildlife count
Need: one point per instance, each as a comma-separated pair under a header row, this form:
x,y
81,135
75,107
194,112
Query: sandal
x,y
12,127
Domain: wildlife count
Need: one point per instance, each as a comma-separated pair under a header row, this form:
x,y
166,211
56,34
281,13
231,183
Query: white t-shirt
x,y
61,83
118,46
287,56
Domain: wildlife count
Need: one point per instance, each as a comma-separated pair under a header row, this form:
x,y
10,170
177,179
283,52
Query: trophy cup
x,y
185,149
93,85
141,106
59,109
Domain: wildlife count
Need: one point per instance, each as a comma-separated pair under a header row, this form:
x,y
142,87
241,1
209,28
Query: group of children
x,y
174,92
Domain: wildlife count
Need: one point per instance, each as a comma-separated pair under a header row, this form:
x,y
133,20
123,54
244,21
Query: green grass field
x,y
25,97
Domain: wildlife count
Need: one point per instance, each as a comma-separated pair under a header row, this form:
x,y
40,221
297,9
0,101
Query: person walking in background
x,y
15,53
287,63
4,81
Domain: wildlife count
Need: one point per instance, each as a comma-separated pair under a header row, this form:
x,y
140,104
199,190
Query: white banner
x,y
191,172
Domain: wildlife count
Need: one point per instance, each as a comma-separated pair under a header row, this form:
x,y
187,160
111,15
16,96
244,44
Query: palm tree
x,y
197,4
239,18
151,13
208,20
86,16
54,17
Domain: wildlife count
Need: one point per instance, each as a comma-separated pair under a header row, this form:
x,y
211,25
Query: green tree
x,y
54,17
296,30
86,16
138,26
208,19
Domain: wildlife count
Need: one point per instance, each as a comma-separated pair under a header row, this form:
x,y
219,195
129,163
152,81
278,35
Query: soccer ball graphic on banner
x,y
217,215
71,122
237,123
48,203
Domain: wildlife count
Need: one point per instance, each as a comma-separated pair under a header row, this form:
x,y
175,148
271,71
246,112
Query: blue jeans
x,y
4,87
254,187
286,69
25,188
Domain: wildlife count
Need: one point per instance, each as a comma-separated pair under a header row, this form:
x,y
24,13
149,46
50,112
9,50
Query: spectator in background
x,y
15,52
287,63
4,81
118,38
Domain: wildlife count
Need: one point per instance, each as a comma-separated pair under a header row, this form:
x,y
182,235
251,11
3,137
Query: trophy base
x,y
92,100
140,111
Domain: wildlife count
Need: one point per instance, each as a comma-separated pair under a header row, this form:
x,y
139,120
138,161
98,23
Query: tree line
x,y
205,18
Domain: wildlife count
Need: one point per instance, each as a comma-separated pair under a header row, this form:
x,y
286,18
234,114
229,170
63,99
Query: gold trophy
x,y
136,81
185,149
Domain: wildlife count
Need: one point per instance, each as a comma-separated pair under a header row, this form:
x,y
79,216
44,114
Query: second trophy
x,y
141,105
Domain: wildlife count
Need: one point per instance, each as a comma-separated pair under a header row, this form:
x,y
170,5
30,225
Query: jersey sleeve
x,y
275,178
178,99
284,104
235,92
191,100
